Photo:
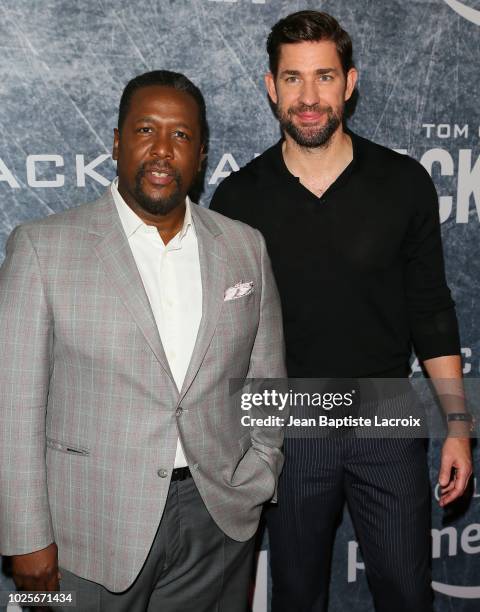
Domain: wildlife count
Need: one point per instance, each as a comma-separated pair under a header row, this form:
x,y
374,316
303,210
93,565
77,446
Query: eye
x,y
292,79
326,77
144,129
182,135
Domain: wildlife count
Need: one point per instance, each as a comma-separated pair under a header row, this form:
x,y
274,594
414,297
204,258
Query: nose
x,y
162,146
309,93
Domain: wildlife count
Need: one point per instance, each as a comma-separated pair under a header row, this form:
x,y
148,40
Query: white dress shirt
x,y
172,281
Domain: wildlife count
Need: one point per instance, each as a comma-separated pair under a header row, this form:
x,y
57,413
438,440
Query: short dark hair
x,y
311,26
165,78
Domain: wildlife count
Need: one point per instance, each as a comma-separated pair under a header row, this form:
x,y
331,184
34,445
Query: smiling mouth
x,y
310,117
160,177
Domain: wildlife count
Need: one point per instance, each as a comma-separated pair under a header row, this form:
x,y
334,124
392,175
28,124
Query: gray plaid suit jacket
x,y
89,412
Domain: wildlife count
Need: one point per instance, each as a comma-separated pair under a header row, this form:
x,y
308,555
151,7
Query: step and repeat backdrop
x,y
63,66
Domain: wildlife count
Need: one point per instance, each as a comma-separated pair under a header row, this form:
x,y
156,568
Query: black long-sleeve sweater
x,y
360,270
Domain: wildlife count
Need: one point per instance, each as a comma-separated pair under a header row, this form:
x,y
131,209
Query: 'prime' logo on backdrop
x,y
467,12
450,541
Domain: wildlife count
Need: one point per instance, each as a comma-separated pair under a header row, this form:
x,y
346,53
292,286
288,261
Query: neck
x,y
302,161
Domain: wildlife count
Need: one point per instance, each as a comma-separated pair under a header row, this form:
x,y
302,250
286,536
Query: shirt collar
x,y
131,222
281,167
280,162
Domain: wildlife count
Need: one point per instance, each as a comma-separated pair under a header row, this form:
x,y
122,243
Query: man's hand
x,y
37,571
456,455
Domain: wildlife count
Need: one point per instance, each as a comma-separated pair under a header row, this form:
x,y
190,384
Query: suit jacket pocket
x,y
254,476
240,302
245,442
64,447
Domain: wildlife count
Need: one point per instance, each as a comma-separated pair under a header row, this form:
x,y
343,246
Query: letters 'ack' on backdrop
x,y
63,66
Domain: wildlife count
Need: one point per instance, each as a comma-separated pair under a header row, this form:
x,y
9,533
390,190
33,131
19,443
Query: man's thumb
x,y
444,476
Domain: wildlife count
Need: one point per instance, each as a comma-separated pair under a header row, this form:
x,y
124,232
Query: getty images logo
x,y
465,11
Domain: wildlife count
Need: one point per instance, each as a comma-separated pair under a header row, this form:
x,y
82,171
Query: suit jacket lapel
x,y
121,270
213,273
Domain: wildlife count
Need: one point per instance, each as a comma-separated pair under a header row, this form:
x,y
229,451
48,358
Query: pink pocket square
x,y
237,291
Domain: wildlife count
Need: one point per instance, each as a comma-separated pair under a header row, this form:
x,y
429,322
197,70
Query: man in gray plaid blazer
x,y
122,453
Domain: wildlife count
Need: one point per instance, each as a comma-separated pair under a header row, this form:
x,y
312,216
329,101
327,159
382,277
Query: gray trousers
x,y
192,566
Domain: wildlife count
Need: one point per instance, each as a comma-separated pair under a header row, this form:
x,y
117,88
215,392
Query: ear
x,y
271,89
352,77
203,157
116,143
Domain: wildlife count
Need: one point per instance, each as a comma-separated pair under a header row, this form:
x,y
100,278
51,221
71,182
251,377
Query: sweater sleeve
x,y
431,309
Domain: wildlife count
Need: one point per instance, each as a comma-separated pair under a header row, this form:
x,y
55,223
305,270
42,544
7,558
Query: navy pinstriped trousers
x,y
385,483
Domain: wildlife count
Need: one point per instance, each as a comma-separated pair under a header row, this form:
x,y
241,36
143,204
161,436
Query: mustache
x,y
309,108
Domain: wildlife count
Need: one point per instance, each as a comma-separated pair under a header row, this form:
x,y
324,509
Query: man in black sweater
x,y
353,233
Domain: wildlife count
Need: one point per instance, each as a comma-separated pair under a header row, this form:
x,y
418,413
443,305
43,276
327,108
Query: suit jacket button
x,y
179,411
162,473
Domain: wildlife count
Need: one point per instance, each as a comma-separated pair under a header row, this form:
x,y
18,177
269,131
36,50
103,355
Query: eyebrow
x,y
149,118
318,71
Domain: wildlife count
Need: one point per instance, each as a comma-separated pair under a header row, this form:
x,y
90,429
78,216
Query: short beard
x,y
158,206
314,137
